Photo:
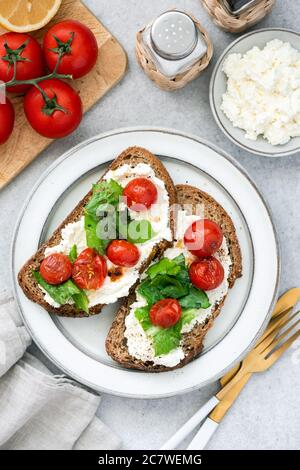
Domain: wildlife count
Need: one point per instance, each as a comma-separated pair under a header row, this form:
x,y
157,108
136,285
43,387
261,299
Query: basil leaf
x,y
179,260
151,293
188,315
167,339
122,223
106,228
162,287
164,339
92,239
183,277
169,278
106,192
171,287
196,298
81,301
142,314
73,254
100,215
167,266
60,293
140,231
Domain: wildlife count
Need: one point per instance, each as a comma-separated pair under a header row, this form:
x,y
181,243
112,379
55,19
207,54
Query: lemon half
x,y
23,16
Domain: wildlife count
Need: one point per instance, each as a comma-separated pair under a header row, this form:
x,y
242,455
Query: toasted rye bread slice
x,y
116,345
131,156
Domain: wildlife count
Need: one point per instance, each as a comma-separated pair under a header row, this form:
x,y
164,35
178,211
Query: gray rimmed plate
x,y
218,86
77,345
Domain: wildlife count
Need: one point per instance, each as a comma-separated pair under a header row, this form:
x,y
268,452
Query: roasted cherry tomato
x,y
123,253
59,114
206,273
78,44
7,119
89,270
141,193
28,55
56,268
165,313
203,238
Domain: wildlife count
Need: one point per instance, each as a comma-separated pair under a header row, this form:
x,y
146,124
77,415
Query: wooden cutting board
x,y
25,144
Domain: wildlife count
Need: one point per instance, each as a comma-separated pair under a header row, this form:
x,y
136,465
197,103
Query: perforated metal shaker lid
x,y
174,35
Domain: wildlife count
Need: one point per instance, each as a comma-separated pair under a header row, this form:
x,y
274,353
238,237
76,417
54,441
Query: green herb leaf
x,y
73,254
188,315
122,223
92,239
61,293
81,301
142,314
162,287
140,231
163,339
170,286
169,278
167,266
196,298
100,215
179,260
167,339
106,192
151,293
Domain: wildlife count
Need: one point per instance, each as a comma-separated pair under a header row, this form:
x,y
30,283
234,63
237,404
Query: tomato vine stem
x,y
51,104
35,81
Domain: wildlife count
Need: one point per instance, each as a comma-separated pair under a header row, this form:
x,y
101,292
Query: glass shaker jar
x,y
236,16
236,7
173,49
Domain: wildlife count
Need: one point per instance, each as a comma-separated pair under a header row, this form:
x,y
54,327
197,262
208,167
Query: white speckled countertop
x,y
266,415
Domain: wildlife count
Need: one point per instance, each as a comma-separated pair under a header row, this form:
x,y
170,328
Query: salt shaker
x,y
173,44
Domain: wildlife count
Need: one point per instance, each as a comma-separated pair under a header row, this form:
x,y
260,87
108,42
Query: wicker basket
x,y
237,24
182,79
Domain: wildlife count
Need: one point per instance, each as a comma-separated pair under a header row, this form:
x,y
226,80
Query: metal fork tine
x,y
278,324
280,338
276,354
274,323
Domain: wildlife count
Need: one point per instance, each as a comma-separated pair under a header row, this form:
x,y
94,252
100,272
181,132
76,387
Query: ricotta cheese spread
x,y
158,214
263,92
138,343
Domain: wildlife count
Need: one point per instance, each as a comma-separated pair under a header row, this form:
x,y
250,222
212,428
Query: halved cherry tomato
x,y
141,193
203,238
79,44
123,253
56,268
165,313
89,270
206,273
26,52
7,119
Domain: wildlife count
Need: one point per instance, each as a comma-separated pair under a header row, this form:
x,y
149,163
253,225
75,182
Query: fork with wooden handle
x,y
279,316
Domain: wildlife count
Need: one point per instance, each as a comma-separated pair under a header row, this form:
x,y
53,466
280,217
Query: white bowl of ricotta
x,y
255,92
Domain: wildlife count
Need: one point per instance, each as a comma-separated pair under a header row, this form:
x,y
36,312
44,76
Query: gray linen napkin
x,y
40,410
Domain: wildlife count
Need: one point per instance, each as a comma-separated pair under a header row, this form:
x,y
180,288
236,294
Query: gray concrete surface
x,y
266,416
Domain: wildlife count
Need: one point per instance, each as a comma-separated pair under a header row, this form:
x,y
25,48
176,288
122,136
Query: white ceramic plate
x,y
77,345
218,86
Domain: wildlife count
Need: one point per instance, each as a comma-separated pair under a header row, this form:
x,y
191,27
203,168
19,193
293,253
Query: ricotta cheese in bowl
x,y
263,92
